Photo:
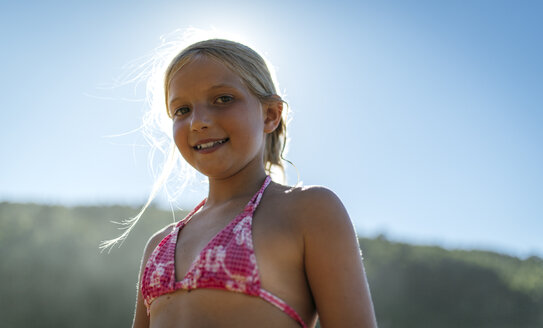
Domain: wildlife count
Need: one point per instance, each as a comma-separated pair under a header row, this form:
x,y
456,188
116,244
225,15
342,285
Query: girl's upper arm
x,y
333,262
141,319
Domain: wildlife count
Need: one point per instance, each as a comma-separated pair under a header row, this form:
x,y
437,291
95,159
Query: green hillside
x,y
424,286
53,275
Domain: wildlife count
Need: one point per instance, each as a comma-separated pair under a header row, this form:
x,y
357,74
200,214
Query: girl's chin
x,y
214,172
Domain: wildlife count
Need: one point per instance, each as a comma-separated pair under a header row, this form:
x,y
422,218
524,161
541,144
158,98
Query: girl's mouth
x,y
210,144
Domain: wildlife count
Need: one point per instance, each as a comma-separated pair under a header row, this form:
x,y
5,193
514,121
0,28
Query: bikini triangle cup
x,y
227,262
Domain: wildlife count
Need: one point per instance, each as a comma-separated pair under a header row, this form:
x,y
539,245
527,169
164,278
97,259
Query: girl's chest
x,y
275,242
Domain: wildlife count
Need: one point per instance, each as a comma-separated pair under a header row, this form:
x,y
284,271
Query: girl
x,y
254,253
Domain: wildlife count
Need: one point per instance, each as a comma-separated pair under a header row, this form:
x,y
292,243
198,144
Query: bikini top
x,y
227,262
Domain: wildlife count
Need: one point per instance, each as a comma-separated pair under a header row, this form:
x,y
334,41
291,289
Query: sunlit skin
x,y
305,245
208,102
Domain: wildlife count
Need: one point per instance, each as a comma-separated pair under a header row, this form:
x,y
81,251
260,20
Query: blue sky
x,y
423,116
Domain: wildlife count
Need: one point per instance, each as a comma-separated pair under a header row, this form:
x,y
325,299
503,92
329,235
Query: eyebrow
x,y
213,87
221,85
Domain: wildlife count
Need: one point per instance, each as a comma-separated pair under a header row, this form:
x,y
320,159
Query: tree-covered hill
x,y
424,286
52,274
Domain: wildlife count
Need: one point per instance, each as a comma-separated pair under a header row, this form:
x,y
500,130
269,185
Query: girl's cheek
x,y
178,135
177,127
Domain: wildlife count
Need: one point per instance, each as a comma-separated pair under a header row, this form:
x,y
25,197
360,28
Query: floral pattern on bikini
x,y
227,262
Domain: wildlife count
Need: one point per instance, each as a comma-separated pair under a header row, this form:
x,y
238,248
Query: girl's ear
x,y
272,114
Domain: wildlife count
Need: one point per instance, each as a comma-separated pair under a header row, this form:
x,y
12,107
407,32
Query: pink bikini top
x,y
227,262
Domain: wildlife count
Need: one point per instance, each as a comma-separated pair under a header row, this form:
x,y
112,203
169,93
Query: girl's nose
x,y
201,118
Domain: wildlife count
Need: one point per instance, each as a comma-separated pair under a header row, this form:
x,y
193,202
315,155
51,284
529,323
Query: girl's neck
x,y
238,185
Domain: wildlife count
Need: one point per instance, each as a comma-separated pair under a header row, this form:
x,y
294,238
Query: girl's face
x,y
218,124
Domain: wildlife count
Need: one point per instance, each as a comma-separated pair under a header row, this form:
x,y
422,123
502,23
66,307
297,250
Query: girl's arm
x,y
333,262
141,319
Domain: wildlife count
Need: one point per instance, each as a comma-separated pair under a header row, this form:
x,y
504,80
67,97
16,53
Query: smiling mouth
x,y
210,144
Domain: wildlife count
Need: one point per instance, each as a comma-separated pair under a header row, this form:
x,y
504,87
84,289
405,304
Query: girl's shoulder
x,y
156,238
309,205
304,195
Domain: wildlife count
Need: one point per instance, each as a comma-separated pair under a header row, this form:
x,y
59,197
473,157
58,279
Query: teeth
x,y
210,144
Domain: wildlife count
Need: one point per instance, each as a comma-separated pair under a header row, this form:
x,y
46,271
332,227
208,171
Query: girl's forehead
x,y
205,68
202,73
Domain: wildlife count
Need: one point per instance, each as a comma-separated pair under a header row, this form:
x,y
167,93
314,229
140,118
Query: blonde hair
x,y
253,71
158,71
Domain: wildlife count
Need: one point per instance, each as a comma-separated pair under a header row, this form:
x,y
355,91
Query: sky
x,y
424,117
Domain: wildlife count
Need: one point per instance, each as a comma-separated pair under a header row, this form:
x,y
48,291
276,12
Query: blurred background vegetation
x,y
53,275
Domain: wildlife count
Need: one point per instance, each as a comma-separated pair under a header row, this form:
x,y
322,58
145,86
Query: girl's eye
x,y
224,99
181,111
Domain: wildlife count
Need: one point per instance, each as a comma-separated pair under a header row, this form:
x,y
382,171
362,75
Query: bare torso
x,y
279,249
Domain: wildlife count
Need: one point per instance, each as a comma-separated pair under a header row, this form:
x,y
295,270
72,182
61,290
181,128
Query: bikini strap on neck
x,y
251,207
